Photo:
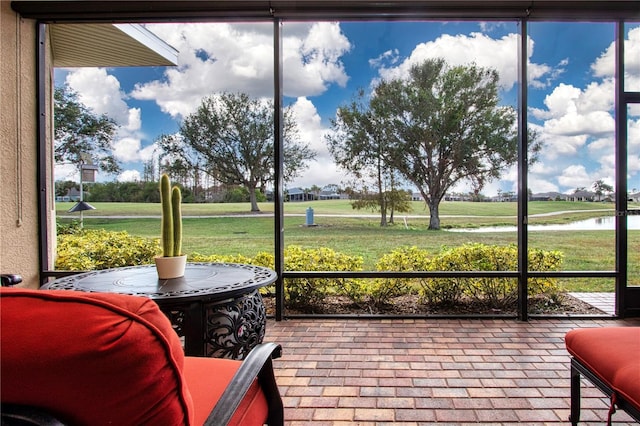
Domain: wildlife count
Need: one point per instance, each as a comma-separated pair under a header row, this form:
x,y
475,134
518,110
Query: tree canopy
x,y
439,126
231,138
80,134
360,146
601,188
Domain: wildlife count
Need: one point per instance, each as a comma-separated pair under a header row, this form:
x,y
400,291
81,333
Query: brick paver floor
x,y
431,371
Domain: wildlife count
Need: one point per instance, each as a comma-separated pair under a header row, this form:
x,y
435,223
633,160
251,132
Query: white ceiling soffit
x,y
108,45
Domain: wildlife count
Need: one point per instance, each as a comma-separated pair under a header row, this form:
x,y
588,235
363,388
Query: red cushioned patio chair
x,y
111,359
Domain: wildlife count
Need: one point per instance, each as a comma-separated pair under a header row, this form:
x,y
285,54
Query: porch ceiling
x,y
108,45
141,10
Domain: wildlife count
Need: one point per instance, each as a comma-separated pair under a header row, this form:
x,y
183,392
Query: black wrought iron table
x,y
216,308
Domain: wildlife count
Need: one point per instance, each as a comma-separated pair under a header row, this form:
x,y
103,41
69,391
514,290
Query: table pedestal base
x,y
234,327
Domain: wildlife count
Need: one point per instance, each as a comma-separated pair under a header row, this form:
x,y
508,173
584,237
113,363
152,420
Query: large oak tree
x,y
232,137
442,125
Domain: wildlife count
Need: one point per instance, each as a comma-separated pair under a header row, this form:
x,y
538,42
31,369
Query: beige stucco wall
x,y
19,230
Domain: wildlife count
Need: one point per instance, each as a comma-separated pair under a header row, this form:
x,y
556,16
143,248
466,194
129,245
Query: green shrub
x,y
264,259
442,291
312,291
72,227
402,259
496,292
100,249
216,258
261,259
540,260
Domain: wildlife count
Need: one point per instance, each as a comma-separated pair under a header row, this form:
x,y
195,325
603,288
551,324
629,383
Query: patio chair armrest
x,y
25,415
8,280
258,364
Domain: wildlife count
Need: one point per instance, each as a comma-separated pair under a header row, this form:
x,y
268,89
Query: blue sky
x,y
570,86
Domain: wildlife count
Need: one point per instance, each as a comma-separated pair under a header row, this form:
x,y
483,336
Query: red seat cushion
x,y
208,377
92,359
612,354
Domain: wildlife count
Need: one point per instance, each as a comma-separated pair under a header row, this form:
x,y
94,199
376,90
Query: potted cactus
x,y
172,262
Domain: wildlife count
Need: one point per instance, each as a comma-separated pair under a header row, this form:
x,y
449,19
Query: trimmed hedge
x,y
84,250
100,249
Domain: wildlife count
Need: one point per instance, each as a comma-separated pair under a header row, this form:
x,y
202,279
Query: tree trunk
x,y
253,199
383,214
434,214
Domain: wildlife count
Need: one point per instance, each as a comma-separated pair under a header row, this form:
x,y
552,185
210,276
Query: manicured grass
x,y
336,207
361,235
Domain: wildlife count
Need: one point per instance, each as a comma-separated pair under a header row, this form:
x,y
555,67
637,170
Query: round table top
x,y
219,280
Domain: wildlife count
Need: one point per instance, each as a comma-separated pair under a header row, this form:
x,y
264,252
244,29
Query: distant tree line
x,y
123,192
147,192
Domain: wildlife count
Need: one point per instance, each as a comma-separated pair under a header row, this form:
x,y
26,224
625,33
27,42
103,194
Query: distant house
x,y
328,195
548,196
582,196
454,197
72,194
330,192
635,198
299,194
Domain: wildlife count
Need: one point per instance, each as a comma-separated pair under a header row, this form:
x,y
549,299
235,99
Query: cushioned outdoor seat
x,y
610,358
98,359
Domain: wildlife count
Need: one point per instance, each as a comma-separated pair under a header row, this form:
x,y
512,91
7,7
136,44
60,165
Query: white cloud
x,y
127,150
101,92
597,123
578,123
597,96
134,121
541,76
561,101
633,158
239,58
538,185
129,176
556,146
319,58
598,146
322,171
388,57
66,172
607,169
147,153
212,57
575,176
604,66
499,54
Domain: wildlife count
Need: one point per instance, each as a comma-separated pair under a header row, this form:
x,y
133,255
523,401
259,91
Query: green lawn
x,y
232,232
337,207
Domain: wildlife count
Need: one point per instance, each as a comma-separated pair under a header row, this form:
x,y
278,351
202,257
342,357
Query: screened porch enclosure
x,y
511,28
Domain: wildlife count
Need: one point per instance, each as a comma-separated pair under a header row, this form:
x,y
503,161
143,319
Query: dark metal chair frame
x,y
577,369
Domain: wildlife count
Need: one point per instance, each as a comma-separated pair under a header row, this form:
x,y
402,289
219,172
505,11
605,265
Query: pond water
x,y
593,224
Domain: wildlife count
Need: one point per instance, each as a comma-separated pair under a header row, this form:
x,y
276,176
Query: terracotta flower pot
x,y
170,267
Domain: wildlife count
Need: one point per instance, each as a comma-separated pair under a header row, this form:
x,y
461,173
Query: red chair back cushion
x,y
92,358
